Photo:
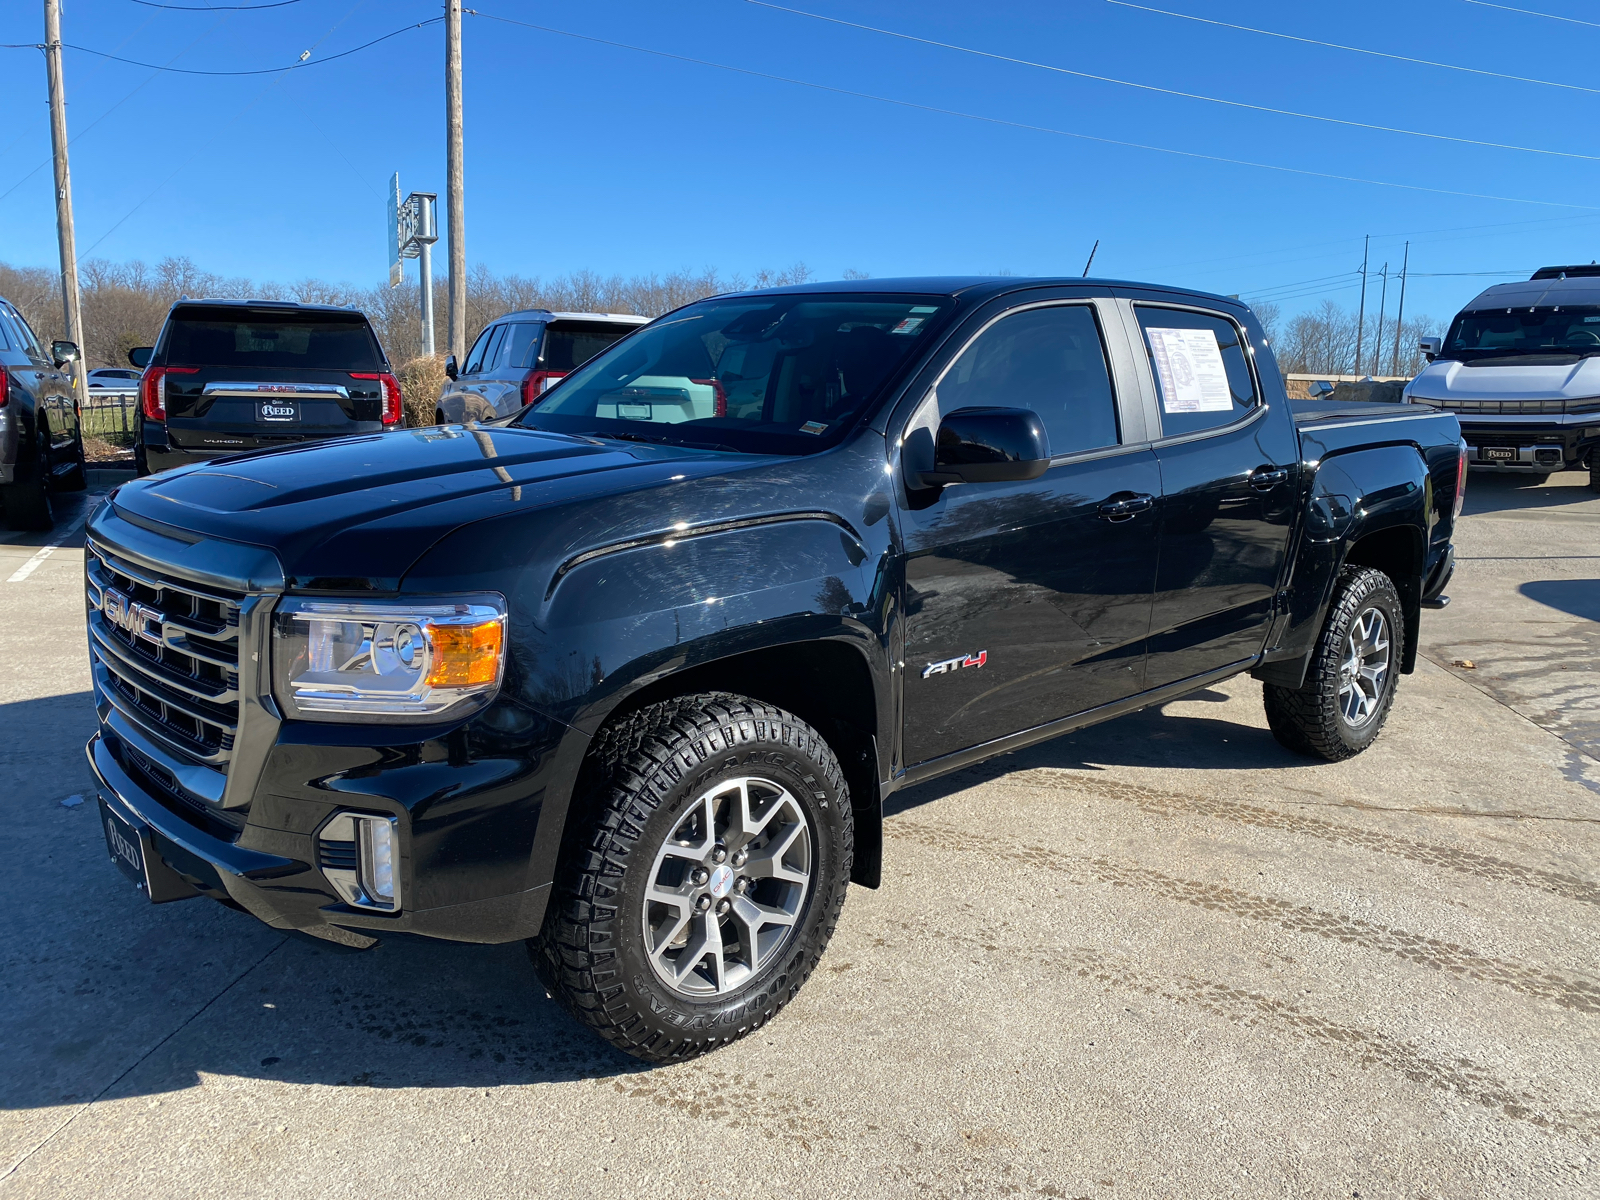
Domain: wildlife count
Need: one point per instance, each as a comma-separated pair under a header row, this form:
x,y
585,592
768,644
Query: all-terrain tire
x,y
1594,470
1311,719
645,776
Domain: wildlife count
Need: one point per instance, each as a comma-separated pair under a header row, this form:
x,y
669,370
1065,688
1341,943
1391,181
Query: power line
x,y
1165,91
1087,137
1289,37
217,7
317,62
1528,12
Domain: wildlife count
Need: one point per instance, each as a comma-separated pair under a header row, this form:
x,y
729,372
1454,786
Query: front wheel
x,y
1349,688
708,878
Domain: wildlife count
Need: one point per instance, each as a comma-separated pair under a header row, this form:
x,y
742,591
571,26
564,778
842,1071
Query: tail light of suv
x,y
391,394
5,387
152,390
536,383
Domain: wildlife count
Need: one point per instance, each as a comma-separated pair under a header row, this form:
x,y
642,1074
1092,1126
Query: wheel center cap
x,y
722,881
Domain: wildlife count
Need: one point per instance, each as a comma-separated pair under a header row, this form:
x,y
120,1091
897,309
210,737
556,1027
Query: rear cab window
x,y
1201,369
279,338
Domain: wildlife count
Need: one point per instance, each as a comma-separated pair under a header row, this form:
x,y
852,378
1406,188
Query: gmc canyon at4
x,y
629,673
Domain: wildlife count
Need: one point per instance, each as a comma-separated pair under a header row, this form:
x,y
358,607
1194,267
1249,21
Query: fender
x,y
1354,496
776,607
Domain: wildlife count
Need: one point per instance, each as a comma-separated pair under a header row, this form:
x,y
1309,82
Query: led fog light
x,y
360,856
369,660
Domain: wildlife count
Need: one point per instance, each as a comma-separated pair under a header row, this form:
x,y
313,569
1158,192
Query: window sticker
x,y
1189,363
925,310
909,325
1591,320
813,427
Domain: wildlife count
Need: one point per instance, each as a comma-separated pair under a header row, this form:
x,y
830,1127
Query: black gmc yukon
x,y
227,376
630,673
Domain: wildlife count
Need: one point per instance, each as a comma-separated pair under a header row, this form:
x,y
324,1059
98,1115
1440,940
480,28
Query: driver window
x,y
1048,359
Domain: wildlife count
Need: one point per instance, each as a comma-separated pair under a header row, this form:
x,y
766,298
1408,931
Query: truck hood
x,y
1489,380
355,513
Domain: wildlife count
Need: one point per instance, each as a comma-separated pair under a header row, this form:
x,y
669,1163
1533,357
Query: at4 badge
x,y
956,663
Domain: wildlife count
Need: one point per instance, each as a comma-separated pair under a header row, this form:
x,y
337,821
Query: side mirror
x,y
450,368
139,356
61,353
988,445
1430,347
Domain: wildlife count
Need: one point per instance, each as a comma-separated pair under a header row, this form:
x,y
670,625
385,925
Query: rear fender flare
x,y
1354,498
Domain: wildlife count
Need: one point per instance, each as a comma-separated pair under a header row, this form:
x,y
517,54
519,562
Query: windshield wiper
x,y
657,440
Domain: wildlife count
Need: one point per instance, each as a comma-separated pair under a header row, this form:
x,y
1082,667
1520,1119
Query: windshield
x,y
764,375
240,337
1563,331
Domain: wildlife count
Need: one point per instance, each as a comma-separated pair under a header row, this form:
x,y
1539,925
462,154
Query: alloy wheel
x,y
1364,668
727,887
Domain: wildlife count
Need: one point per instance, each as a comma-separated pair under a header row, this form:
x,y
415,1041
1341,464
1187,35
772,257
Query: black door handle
x,y
1264,479
1125,508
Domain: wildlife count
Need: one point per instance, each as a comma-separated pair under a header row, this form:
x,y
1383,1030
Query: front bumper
x,y
273,874
1543,445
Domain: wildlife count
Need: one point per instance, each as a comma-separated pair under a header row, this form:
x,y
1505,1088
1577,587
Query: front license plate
x,y
124,843
1499,454
279,412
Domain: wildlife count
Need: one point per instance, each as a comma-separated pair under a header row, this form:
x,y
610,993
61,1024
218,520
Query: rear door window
x,y
243,337
519,346
1201,369
570,344
1051,360
480,350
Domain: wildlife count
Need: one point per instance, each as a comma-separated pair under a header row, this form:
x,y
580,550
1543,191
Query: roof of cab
x,y
545,314
982,287
1537,293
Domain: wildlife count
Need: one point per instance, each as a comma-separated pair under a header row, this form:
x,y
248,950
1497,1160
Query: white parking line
x,y
44,552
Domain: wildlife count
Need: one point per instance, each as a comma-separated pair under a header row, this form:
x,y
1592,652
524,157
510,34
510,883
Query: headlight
x,y
378,660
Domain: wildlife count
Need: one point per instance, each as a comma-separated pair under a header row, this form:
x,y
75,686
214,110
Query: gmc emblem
x,y
129,615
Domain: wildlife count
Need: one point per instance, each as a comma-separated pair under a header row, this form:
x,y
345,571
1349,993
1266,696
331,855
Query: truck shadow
x,y
1151,738
1580,597
1492,492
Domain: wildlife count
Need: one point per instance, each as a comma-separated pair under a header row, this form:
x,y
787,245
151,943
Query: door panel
x,y
1224,532
1047,594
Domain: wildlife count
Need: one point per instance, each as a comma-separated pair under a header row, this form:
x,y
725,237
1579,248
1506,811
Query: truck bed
x,y
1328,428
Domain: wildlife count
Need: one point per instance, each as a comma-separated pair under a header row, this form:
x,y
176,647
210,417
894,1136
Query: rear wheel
x,y
708,877
1345,700
1594,470
28,500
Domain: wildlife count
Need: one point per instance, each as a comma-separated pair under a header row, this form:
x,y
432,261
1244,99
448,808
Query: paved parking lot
x,y
1159,957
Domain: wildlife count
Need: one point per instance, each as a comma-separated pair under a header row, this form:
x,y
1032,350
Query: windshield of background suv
x,y
247,337
1542,331
764,375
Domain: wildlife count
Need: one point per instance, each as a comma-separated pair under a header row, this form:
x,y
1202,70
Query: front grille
x,y
169,650
1513,408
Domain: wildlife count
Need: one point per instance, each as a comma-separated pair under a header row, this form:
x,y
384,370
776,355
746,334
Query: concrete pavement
x,y
1160,957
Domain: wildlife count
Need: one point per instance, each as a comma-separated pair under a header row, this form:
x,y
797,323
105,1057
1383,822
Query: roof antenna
x,y
1090,263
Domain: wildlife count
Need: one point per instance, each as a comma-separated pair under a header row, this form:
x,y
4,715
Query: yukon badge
x,y
956,663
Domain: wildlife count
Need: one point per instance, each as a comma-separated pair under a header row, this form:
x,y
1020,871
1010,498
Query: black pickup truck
x,y
630,673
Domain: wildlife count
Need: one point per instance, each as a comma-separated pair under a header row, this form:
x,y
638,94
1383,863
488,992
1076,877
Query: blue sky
x,y
581,155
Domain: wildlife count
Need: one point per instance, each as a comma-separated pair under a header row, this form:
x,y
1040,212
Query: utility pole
x,y
1361,318
455,185
1377,340
70,303
1399,317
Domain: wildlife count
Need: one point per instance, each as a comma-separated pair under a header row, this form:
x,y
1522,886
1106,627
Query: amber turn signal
x,y
464,655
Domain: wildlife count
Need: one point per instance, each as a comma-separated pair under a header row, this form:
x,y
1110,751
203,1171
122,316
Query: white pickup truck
x,y
1520,368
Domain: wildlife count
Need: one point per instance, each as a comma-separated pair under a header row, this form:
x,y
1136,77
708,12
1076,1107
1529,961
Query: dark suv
x,y
227,376
41,446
